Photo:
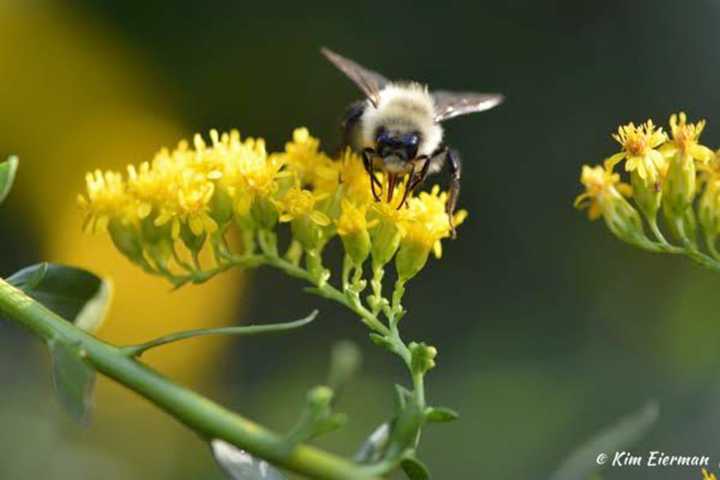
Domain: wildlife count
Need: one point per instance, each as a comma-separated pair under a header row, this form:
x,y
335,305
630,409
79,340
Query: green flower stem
x,y
690,251
245,330
206,418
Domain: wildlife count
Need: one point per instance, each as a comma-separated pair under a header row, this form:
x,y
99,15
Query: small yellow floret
x,y
639,149
685,139
599,184
299,202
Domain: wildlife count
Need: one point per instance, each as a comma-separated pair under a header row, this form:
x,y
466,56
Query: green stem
x,y
206,418
248,330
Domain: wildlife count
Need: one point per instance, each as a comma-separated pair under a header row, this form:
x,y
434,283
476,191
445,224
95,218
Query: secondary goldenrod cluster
x,y
670,173
199,194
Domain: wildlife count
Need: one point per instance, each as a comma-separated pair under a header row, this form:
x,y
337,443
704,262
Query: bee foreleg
x,y
455,167
367,155
409,185
416,180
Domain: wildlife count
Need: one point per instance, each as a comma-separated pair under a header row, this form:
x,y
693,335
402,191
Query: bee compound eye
x,y
381,135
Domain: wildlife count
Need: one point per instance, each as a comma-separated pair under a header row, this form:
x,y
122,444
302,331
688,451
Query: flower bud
x,y
265,213
385,241
647,195
624,221
423,357
709,209
680,187
411,258
126,238
320,397
221,206
307,232
352,226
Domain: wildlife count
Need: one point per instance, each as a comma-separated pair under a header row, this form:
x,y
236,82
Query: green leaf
x,y
584,461
440,414
240,465
76,295
415,469
243,330
8,169
373,448
74,380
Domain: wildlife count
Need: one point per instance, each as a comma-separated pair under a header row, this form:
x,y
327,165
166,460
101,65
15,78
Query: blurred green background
x,y
548,328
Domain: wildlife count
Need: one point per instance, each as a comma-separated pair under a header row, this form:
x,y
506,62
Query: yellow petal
x,y
614,160
320,218
701,153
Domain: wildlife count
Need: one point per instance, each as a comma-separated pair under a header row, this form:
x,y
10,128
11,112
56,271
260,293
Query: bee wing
x,y
368,81
452,104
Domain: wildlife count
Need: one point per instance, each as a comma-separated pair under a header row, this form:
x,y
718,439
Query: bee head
x,y
403,145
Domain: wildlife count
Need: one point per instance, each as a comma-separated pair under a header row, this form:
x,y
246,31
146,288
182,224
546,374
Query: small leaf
x,y
373,448
74,380
8,169
440,414
583,462
381,341
249,330
415,469
240,465
402,395
76,295
405,429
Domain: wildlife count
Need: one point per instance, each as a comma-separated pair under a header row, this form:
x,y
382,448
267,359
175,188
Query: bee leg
x,y
392,182
421,176
408,185
455,167
367,162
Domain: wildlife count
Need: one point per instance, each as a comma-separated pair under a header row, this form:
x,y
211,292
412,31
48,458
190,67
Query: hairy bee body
x,y
397,128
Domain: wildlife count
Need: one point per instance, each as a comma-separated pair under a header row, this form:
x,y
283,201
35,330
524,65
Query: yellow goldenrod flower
x,y
189,205
680,186
352,226
604,196
354,179
187,195
600,186
428,221
107,199
312,167
298,202
299,206
685,139
426,224
639,149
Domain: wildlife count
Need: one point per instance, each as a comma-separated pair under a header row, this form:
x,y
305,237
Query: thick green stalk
x,y
206,418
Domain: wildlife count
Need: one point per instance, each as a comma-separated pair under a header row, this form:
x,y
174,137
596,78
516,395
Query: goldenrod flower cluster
x,y
669,173
200,193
